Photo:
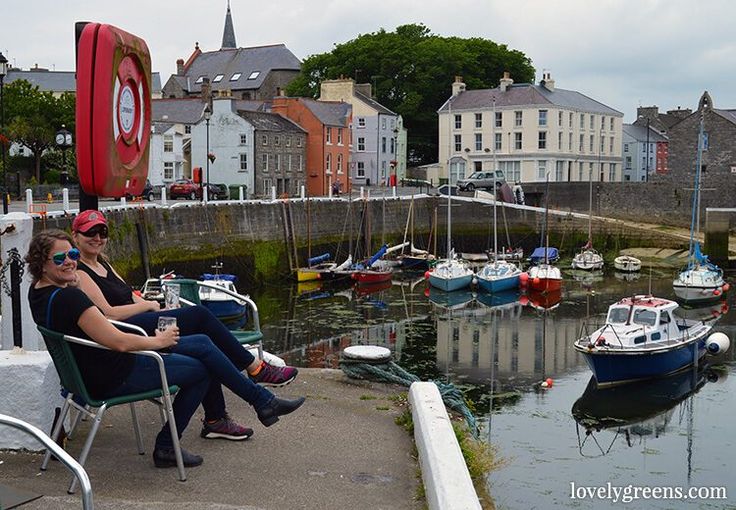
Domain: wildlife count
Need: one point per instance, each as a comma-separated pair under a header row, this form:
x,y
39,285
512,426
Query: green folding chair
x,y
71,380
189,295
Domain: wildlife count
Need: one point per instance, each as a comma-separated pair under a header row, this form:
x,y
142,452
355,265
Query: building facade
x,y
531,131
379,137
644,153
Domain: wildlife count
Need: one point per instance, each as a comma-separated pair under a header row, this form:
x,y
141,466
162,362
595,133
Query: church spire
x,y
228,35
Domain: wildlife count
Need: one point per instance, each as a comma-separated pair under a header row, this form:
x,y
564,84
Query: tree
x,y
411,71
34,116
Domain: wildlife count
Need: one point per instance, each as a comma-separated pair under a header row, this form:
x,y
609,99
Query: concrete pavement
x,y
341,450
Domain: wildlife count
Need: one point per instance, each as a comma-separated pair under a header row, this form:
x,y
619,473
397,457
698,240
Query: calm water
x,y
674,432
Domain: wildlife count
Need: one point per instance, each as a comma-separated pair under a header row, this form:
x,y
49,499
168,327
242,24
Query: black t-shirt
x,y
115,290
102,370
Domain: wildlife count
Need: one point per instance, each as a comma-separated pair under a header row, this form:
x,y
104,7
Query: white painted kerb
x,y
447,482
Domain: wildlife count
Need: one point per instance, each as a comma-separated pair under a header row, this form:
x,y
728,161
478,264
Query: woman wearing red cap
x,y
115,298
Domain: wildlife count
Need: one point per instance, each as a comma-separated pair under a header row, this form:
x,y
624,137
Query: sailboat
x,y
588,259
545,277
452,273
498,275
701,280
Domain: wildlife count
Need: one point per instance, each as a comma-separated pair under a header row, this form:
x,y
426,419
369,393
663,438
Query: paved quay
x,y
341,450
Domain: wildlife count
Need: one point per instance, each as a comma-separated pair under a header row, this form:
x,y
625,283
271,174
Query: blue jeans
x,y
192,320
194,359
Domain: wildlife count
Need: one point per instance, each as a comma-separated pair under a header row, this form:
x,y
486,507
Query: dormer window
x,y
200,79
236,76
254,75
217,78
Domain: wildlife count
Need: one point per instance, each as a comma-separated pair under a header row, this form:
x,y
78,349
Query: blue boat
x,y
230,311
538,256
643,338
499,276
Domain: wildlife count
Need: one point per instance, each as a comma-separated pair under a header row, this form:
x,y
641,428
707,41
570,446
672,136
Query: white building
x,y
531,130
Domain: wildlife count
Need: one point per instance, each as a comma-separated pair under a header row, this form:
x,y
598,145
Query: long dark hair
x,y
39,249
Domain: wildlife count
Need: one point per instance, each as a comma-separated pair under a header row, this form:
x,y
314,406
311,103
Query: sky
x,y
623,53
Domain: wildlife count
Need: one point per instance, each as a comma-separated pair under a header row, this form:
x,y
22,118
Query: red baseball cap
x,y
88,219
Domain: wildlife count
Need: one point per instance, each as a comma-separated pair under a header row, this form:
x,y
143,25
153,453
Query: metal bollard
x,y
302,192
163,195
241,195
361,192
393,191
65,198
273,193
29,200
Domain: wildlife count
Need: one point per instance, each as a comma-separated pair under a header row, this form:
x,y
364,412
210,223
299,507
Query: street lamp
x,y
396,156
207,116
3,72
63,141
646,151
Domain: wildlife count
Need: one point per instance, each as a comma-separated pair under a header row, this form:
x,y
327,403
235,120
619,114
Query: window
x,y
383,122
478,120
582,121
288,140
383,145
254,75
298,141
168,170
243,162
626,147
236,76
499,119
299,163
541,170
243,139
517,141
569,122
611,128
339,163
611,172
603,122
628,162
582,143
592,144
479,141
498,141
458,121
590,171
264,162
267,185
277,162
361,169
329,135
592,123
393,145
361,144
339,136
569,141
559,141
361,122
542,117
559,119
610,145
511,169
580,171
618,315
705,141
393,123
168,143
644,317
517,118
288,162
328,166
200,79
264,140
603,144
218,78
187,129
458,143
542,143
276,140
383,169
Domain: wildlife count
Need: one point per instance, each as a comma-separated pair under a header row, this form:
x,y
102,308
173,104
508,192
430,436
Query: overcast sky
x,y
623,53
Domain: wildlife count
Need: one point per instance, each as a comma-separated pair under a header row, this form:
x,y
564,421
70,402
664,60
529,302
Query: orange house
x,y
328,140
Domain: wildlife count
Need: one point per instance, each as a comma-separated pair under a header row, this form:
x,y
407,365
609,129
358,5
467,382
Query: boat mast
x,y
590,195
546,214
695,221
309,232
449,182
495,183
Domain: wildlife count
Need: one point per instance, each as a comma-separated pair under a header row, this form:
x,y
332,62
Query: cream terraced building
x,y
531,131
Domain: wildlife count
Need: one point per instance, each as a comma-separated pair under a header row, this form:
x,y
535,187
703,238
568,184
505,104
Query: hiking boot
x,y
269,414
274,376
165,458
225,428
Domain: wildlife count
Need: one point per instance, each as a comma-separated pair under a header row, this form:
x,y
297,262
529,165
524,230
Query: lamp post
x,y
396,156
63,141
3,72
646,150
207,116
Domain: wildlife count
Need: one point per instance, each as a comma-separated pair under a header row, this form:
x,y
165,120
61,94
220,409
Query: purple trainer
x,y
275,376
225,428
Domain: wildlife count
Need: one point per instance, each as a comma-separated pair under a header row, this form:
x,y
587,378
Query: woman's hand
x,y
168,337
151,306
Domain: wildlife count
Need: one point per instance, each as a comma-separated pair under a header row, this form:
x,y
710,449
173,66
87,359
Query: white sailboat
x,y
701,280
545,277
588,259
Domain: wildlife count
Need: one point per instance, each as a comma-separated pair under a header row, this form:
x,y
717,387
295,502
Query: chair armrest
x,y
126,325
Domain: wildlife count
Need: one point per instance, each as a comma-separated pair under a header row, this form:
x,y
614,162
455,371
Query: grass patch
x,y
382,408
480,457
368,397
405,421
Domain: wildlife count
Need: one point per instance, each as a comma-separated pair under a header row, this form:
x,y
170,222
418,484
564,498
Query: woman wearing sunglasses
x,y
58,305
115,298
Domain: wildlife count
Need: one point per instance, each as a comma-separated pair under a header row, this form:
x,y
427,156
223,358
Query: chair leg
x,y
75,424
174,437
57,430
137,429
96,420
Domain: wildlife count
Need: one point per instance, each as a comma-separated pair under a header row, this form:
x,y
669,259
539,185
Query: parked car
x,y
218,191
147,193
185,188
481,180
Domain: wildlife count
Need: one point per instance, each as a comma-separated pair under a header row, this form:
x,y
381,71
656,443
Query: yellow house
x,y
530,131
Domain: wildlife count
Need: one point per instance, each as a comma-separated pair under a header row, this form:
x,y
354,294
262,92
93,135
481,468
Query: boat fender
x,y
523,300
426,274
600,342
718,343
547,383
725,287
474,281
717,292
536,281
524,278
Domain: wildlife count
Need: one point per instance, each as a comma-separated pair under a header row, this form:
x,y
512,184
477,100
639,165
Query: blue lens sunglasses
x,y
61,256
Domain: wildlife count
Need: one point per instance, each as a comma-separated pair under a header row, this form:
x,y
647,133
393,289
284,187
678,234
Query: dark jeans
x,y
196,362
192,320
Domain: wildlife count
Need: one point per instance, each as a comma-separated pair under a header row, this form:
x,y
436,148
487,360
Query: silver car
x,y
481,180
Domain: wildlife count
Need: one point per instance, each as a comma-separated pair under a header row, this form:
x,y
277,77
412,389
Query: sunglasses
x,y
61,256
102,231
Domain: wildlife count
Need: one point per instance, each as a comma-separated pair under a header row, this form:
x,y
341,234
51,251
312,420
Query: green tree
x,y
411,71
32,118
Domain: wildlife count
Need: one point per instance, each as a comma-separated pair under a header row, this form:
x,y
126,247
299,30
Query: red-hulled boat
x,y
368,276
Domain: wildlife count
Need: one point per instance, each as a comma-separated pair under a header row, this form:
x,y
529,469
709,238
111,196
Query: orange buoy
x,y
426,274
549,382
536,281
524,278
717,292
523,300
725,287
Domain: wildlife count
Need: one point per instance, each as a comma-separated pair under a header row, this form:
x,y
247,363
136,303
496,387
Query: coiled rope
x,y
388,371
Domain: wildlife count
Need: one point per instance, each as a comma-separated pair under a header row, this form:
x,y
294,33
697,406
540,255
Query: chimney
x,y
180,67
680,113
206,93
365,89
458,86
547,81
505,82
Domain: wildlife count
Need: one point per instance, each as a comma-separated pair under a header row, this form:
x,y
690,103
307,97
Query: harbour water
x,y
671,433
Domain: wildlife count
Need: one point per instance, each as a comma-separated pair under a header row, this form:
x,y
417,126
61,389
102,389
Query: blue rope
x,y
393,373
